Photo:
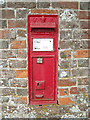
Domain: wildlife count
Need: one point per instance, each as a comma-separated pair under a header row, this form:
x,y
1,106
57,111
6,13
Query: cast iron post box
x,y
42,58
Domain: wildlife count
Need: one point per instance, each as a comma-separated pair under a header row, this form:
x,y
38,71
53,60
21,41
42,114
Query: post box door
x,y
43,78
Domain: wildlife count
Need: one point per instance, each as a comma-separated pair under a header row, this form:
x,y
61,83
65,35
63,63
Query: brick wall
x,y
73,62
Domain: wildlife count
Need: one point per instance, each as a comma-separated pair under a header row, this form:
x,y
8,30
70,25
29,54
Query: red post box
x,y
42,58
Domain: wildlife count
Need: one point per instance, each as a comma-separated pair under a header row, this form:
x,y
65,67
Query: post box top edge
x,y
42,15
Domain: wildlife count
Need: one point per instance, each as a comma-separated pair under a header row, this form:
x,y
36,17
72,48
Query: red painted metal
x,y
42,76
43,25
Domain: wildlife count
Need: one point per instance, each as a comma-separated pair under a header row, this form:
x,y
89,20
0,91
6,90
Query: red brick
x,y
22,100
21,73
17,63
21,33
85,34
0,34
75,90
21,53
21,13
82,54
8,14
66,82
63,5
83,15
65,101
18,83
63,91
65,54
82,81
18,44
20,4
19,99
43,5
16,23
84,25
6,34
44,11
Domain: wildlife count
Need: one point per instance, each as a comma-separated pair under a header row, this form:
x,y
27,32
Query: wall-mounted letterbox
x,y
42,58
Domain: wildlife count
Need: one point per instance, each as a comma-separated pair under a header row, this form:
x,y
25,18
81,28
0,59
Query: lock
x,y
42,58
39,60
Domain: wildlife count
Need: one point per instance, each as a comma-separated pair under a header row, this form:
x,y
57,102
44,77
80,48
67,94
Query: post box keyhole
x,y
38,84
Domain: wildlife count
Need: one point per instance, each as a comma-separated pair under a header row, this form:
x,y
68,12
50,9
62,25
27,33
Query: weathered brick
x,y
21,33
4,107
11,53
7,91
65,54
18,44
3,64
4,82
21,13
84,25
15,4
65,44
82,81
29,5
88,42
81,54
8,74
83,63
65,64
17,64
8,14
77,45
3,44
5,54
65,35
85,34
7,34
69,24
16,23
21,54
0,34
84,15
76,34
18,83
43,4
73,63
3,5
21,73
84,5
63,5
19,100
44,11
5,99
67,82
68,64
75,90
79,72
63,91
63,73
22,92
32,5
65,101
3,23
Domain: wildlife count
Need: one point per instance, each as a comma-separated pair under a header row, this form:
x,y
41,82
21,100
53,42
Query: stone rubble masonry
x,y
73,59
